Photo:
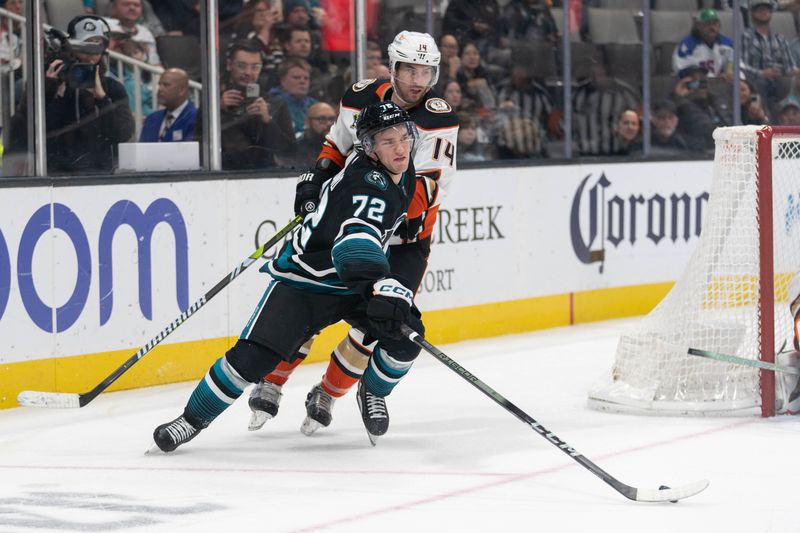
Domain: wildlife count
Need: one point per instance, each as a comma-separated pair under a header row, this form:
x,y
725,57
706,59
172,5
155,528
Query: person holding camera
x,y
86,110
254,128
698,111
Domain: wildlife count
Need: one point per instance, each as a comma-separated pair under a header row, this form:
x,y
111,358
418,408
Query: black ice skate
x,y
169,436
373,413
318,410
265,399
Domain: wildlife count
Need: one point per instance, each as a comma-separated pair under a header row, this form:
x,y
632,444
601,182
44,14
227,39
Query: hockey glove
x,y
389,308
306,197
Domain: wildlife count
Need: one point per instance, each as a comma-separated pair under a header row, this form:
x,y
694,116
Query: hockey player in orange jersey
x,y
414,66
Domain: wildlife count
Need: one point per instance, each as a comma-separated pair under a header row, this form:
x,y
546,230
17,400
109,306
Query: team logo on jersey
x,y
363,84
377,179
437,105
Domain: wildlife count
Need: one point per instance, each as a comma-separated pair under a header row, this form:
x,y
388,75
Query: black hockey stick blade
x,y
632,493
725,358
29,398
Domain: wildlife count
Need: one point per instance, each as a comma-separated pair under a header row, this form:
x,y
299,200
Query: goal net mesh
x,y
714,306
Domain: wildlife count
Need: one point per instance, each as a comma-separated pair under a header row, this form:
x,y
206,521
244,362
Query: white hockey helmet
x,y
417,48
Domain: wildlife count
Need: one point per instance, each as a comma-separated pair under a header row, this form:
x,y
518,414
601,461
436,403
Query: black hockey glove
x,y
389,308
306,196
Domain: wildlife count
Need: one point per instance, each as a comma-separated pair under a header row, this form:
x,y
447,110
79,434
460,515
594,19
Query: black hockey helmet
x,y
377,117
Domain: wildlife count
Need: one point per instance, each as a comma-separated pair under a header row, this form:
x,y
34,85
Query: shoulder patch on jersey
x,y
438,105
377,179
363,84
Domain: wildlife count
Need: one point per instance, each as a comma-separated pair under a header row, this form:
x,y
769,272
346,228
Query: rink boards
x,y
88,274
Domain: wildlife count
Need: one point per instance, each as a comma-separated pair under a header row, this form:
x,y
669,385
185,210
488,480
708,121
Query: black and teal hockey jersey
x,y
342,247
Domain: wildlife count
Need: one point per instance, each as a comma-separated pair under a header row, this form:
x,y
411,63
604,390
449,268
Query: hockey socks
x,y
218,389
347,364
384,372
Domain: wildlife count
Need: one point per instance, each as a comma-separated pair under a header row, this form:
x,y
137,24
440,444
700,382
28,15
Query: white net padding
x,y
714,305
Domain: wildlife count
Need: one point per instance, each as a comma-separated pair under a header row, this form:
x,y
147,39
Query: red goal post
x,y
732,297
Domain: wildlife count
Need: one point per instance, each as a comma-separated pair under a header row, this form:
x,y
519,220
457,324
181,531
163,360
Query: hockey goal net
x,y
732,297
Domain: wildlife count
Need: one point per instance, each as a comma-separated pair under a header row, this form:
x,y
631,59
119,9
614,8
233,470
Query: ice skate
x,y
373,413
169,436
318,410
265,398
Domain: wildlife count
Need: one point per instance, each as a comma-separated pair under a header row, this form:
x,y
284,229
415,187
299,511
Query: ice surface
x,y
452,461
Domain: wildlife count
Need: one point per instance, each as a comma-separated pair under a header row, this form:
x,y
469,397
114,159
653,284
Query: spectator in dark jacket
x,y
664,135
87,115
319,120
698,112
472,21
254,128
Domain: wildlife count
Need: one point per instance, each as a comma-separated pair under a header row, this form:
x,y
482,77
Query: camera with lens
x,y
76,74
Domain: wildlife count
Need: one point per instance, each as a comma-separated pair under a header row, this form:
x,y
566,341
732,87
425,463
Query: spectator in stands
x,y
627,139
179,17
149,18
319,120
474,79
257,21
449,63
296,43
298,14
664,135
87,116
254,128
452,94
705,47
124,18
11,40
521,96
473,21
379,71
295,81
529,21
698,112
177,121
469,146
136,50
788,113
753,112
765,54
596,106
519,139
374,54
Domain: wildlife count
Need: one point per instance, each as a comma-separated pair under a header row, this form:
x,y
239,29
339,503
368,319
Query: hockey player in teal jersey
x,y
335,268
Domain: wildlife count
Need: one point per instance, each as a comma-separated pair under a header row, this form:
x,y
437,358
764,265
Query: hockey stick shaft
x,y
45,399
743,361
629,492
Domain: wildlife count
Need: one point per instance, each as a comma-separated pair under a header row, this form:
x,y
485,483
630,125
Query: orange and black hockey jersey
x,y
434,153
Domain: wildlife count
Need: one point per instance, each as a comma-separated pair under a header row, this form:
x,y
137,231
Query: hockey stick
x,y
662,494
746,362
71,400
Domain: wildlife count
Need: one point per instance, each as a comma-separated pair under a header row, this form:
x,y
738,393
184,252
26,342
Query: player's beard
x,y
405,93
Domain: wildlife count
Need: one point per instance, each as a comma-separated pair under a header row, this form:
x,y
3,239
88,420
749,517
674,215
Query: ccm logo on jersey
x,y
363,84
437,105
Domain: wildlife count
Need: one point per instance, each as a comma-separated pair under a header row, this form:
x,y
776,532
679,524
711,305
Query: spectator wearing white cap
x,y
86,110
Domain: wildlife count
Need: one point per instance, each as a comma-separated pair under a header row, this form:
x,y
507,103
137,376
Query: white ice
x,y
452,461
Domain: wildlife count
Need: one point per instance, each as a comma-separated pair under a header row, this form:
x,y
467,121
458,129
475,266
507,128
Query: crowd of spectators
x,y
500,71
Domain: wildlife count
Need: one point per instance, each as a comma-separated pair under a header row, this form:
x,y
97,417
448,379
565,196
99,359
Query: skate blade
x,y
154,450
309,426
257,420
373,439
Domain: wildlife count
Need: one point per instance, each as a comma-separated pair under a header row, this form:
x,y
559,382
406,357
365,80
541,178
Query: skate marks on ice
x,y
89,511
